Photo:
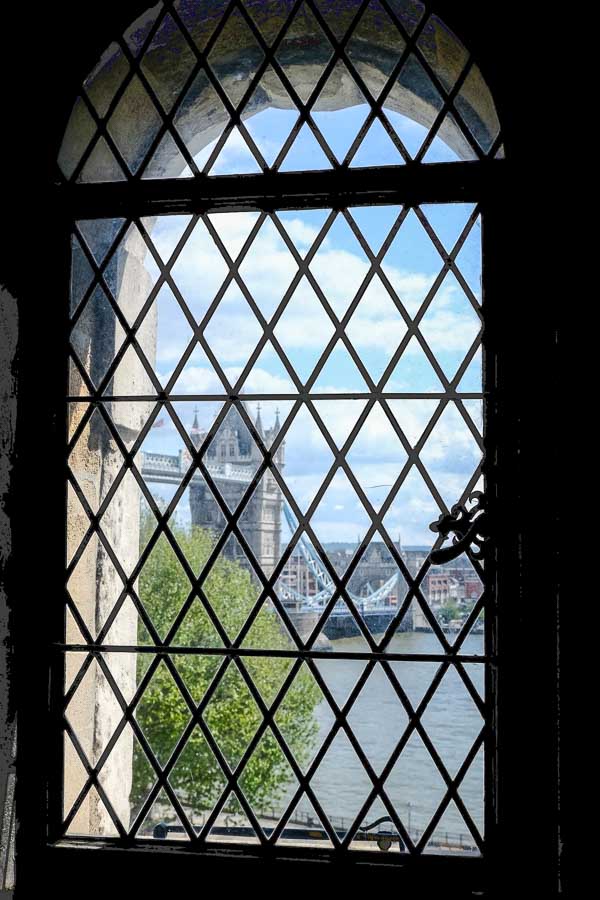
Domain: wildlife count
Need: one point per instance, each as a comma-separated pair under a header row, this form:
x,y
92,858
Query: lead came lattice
x,y
95,395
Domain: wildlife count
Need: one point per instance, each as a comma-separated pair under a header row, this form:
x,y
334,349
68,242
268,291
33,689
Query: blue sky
x,y
270,128
376,328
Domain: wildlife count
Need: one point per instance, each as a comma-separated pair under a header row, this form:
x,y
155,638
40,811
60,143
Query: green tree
x,y
231,714
449,611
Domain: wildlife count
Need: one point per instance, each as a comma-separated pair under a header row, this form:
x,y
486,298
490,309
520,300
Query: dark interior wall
x,y
48,50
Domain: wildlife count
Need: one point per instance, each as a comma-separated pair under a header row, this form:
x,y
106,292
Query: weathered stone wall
x,y
95,585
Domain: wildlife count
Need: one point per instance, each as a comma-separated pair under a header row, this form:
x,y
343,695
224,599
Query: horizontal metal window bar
x,y
410,185
232,652
221,398
290,832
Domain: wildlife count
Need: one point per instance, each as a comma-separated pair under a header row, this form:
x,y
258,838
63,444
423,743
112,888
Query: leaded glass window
x,y
276,387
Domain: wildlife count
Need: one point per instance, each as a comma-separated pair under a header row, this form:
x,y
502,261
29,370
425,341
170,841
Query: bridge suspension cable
x,y
322,576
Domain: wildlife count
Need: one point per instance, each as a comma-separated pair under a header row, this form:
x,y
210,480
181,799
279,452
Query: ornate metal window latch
x,y
384,839
470,527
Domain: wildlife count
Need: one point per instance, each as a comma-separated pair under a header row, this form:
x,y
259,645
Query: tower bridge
x,y
232,460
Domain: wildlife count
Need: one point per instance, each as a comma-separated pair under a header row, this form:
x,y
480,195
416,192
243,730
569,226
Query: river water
x,y
414,786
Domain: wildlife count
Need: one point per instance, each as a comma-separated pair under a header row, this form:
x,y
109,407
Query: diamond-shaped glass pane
x,y
134,102
412,264
307,459
197,778
450,325
303,587
376,456
163,586
341,812
269,769
233,330
234,68
263,524
452,695
375,71
268,253
421,797
167,46
434,33
451,454
97,336
453,591
377,589
413,128
232,699
376,328
162,713
340,266
411,511
232,457
304,718
232,587
346,530
378,742
304,52
304,330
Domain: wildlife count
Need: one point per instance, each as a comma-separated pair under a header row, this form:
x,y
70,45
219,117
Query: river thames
x,y
378,719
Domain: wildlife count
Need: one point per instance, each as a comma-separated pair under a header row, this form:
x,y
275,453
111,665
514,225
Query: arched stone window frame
x,y
517,571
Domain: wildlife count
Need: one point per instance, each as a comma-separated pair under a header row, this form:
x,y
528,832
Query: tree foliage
x,y
231,712
449,611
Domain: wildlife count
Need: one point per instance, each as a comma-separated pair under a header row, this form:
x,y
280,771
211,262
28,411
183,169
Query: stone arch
x,y
200,121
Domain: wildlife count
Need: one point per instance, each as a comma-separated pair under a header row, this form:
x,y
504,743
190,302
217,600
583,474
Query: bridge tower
x,y
235,451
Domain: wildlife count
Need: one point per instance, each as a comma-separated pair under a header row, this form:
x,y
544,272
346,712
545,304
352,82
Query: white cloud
x,y
302,235
449,325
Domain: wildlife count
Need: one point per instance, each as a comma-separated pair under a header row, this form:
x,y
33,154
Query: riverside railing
x,y
305,826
